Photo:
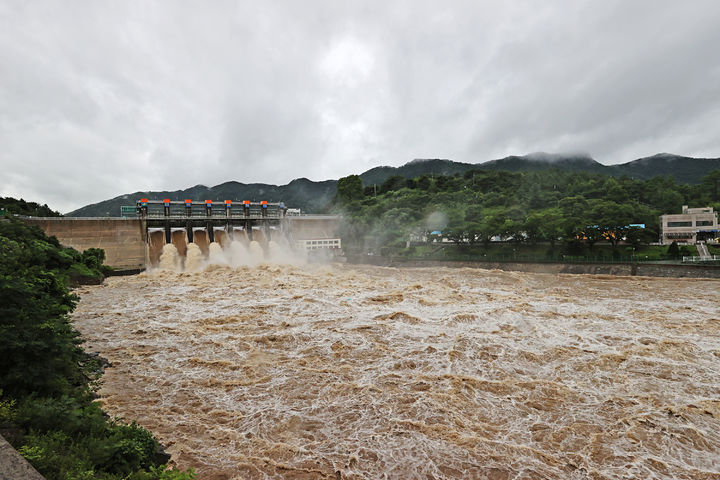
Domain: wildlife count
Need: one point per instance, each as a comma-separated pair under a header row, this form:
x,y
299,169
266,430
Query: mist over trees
x,y
525,207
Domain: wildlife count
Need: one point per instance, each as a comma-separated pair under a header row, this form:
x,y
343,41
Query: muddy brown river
x,y
358,372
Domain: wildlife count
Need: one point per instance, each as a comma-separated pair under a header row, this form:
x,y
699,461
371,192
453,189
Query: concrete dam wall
x,y
125,239
122,239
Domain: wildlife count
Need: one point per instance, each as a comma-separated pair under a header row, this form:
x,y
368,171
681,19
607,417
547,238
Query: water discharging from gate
x,y
156,242
179,255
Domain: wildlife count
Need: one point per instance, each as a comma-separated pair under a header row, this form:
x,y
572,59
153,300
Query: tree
x,y
396,182
673,250
614,191
492,225
611,219
424,182
545,224
473,213
349,189
21,207
589,235
456,226
711,183
575,206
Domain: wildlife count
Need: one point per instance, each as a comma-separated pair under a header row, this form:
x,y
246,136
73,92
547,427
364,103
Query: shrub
x,y
46,379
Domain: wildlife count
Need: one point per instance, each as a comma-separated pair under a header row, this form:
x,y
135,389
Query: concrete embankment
x,y
13,466
621,269
122,239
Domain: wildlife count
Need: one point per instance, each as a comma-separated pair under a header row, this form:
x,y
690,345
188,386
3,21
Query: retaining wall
x,y
13,466
626,269
122,239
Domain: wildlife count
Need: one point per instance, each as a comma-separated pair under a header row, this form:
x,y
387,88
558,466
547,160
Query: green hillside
x,y
300,193
313,196
570,210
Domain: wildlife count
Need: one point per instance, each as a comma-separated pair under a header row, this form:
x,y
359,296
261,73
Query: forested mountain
x,y
316,196
684,169
526,207
542,161
377,175
300,193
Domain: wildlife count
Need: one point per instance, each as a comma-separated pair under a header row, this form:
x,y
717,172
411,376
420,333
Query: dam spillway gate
x,y
235,233
171,216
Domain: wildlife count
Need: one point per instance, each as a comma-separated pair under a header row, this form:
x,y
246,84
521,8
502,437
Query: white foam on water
x,y
273,250
194,260
181,256
442,373
217,255
169,258
238,254
256,253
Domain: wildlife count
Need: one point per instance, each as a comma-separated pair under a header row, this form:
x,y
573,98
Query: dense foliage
x,y
46,401
21,207
526,208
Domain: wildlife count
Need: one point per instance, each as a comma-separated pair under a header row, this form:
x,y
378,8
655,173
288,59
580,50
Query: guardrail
x,y
700,259
509,258
214,215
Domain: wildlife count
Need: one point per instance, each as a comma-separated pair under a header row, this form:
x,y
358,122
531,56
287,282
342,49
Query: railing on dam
x,y
208,209
210,215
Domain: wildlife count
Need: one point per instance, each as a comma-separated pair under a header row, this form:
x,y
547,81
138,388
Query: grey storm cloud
x,y
101,98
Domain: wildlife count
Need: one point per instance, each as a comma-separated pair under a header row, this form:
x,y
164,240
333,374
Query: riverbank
x,y
621,269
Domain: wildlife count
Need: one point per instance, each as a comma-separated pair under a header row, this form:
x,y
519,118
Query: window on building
x,y
679,224
704,223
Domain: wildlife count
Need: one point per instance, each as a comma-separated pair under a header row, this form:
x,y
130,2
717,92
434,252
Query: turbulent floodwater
x,y
367,372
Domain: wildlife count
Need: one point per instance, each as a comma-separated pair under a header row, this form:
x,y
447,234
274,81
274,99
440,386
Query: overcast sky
x,y
103,98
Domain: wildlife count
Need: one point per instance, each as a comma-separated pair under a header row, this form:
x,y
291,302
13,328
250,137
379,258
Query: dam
x,y
275,370
135,241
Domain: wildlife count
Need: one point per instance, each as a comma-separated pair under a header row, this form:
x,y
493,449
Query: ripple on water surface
x,y
357,372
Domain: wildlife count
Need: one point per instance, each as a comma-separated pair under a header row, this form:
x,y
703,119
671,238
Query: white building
x,y
691,226
319,244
